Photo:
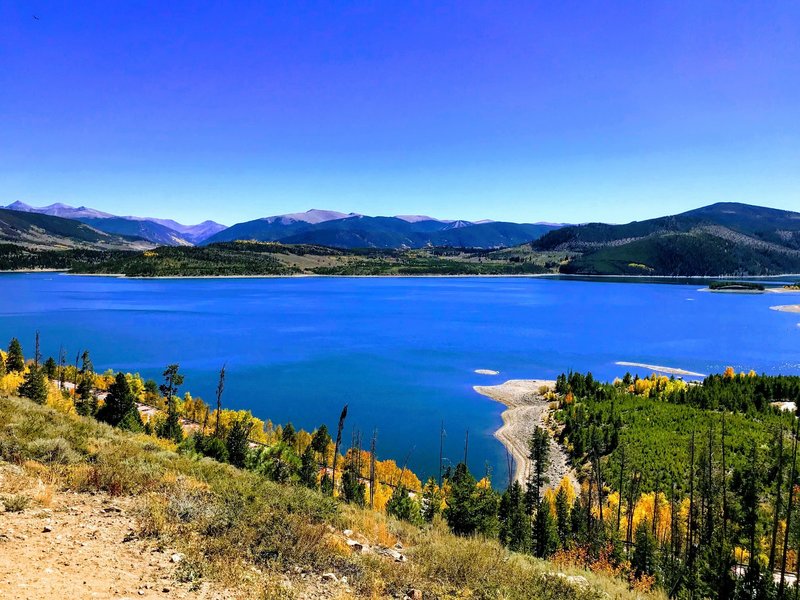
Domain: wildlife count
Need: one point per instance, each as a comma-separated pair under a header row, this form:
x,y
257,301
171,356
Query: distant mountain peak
x,y
415,218
313,216
59,209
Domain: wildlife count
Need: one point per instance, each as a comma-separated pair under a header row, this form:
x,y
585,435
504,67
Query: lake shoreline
x,y
525,409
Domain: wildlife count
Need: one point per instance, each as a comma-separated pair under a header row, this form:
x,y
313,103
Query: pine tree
x,y
171,429
545,531
120,406
460,505
34,385
87,401
15,361
431,499
643,561
353,489
289,434
402,506
539,447
309,468
50,368
563,516
238,441
342,417
515,531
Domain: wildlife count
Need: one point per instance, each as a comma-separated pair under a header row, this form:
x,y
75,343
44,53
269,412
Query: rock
x,y
398,546
47,529
112,509
578,580
396,556
140,592
177,557
343,580
357,546
348,532
330,577
415,594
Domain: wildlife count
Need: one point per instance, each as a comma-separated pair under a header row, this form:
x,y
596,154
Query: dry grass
x,y
254,536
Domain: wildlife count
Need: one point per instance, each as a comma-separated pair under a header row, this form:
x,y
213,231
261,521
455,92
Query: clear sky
x,y
524,111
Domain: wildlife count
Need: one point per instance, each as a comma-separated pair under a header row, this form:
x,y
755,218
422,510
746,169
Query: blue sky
x,y
524,111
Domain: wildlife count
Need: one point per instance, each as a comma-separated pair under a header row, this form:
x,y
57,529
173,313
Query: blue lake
x,y
400,351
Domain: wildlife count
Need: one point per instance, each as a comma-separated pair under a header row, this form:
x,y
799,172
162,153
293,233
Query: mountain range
x,y
321,227
340,230
719,239
162,232
726,238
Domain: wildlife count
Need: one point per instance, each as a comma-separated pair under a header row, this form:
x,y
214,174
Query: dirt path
x,y
84,546
525,410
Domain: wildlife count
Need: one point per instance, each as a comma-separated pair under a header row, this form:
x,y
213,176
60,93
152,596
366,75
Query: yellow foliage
x,y
9,383
729,373
59,401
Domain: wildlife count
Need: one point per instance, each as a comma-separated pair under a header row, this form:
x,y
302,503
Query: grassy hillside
x,y
257,538
146,230
721,239
47,232
260,258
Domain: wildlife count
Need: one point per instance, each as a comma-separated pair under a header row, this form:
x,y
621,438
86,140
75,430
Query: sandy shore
x,y
659,369
790,308
526,409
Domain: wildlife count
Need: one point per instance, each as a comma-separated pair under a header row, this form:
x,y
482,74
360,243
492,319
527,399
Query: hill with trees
x,y
720,239
686,488
48,232
259,258
251,508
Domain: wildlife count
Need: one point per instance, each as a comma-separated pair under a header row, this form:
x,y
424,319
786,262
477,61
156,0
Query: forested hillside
x,y
721,239
687,488
257,509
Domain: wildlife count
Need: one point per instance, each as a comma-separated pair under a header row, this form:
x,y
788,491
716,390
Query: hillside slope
x,y
48,232
146,230
360,231
206,528
720,239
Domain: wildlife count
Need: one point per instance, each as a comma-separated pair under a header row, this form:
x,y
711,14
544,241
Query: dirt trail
x,y
84,546
526,409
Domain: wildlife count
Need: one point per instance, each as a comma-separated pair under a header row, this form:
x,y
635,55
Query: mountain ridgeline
x,y
339,230
724,239
720,239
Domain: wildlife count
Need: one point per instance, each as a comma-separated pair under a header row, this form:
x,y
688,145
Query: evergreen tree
x,y
15,361
34,385
470,508
539,448
172,429
644,557
120,405
545,532
211,446
562,517
87,400
50,368
238,441
320,440
309,468
402,506
353,489
289,434
460,504
515,531
431,499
